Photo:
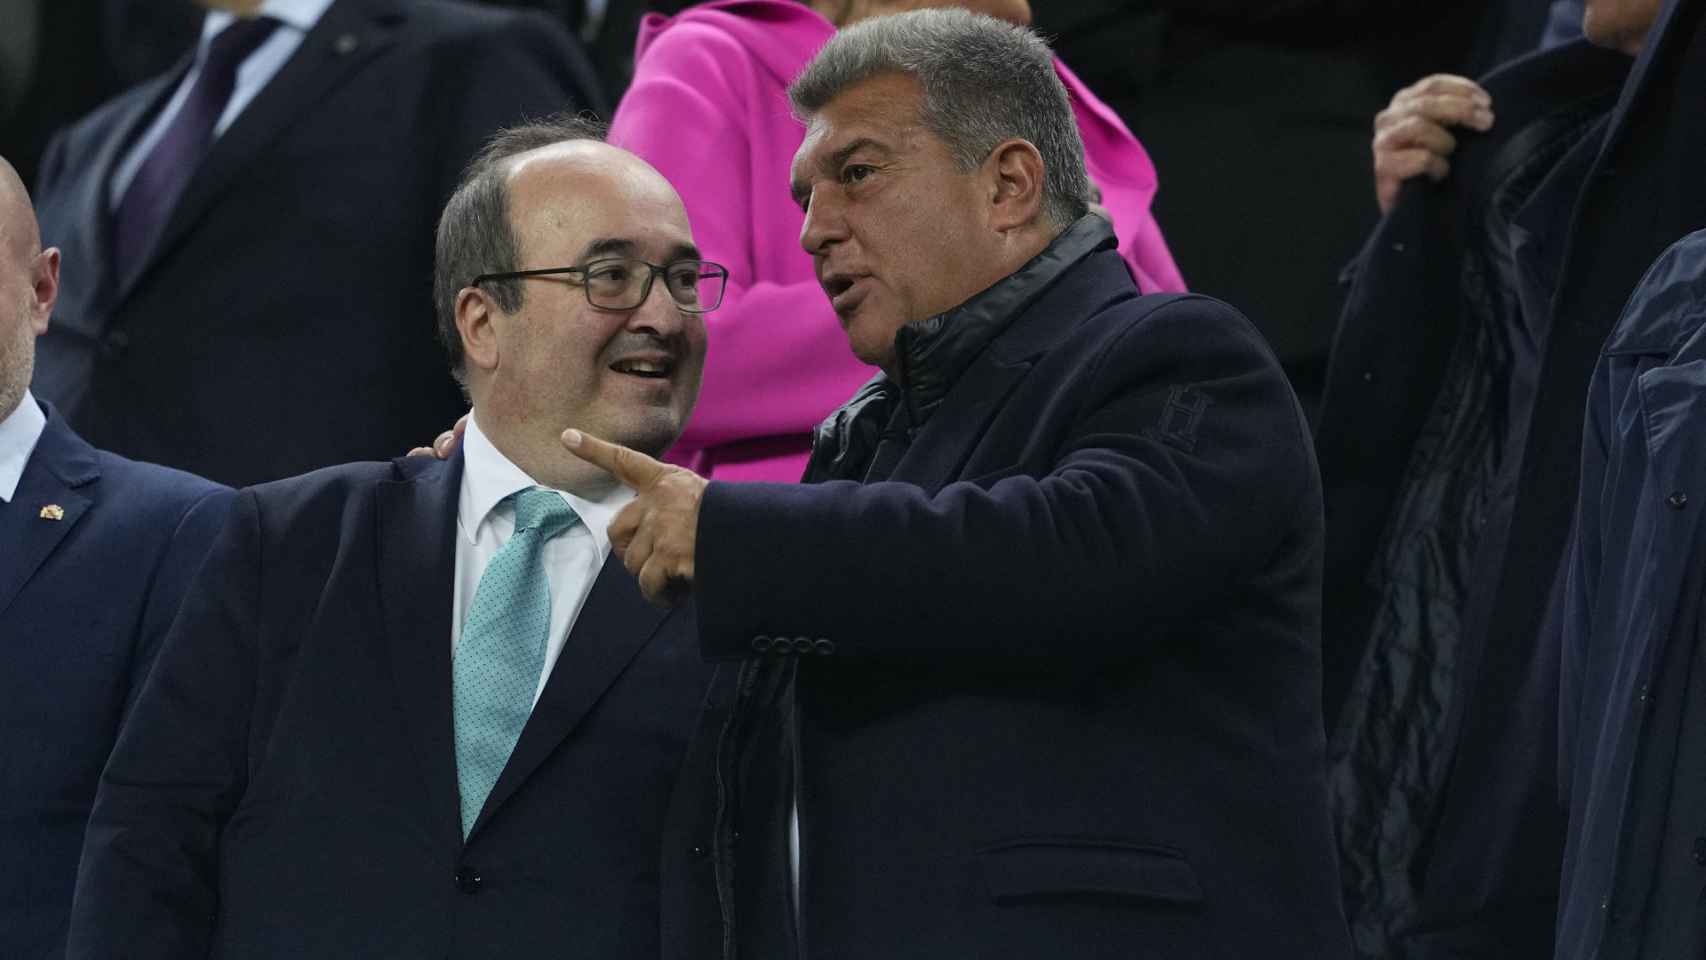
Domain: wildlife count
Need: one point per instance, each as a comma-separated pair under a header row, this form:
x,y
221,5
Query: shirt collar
x,y
489,477
298,14
18,435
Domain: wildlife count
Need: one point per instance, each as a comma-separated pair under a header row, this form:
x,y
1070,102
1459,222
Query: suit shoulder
x,y
1163,324
154,485
441,21
334,481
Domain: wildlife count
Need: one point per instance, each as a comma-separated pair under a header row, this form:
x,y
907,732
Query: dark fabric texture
x,y
1437,340
1633,734
85,601
1054,681
1581,243
284,319
286,786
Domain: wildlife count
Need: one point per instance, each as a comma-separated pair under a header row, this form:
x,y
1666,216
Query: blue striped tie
x,y
502,650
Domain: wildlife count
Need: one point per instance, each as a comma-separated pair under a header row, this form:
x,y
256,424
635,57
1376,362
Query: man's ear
x,y
44,281
1015,171
475,313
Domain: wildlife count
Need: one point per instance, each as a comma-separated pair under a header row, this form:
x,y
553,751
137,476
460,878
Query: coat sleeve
x,y
778,361
1127,524
147,885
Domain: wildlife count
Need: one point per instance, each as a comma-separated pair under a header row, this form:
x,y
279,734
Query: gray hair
x,y
475,235
984,81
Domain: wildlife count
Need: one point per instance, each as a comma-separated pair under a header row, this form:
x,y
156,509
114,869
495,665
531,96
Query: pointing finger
x,y
632,468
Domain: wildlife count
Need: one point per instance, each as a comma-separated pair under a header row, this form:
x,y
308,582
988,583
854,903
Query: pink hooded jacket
x,y
709,109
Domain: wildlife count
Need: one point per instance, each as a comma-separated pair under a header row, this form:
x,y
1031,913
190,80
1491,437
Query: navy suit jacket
x,y
84,602
291,288
286,786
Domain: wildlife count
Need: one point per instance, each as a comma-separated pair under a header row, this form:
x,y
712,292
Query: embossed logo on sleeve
x,y
1181,417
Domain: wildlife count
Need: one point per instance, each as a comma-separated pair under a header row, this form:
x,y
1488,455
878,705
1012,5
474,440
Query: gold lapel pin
x,y
53,511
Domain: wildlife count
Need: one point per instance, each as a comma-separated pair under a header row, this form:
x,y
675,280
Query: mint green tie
x,y
502,650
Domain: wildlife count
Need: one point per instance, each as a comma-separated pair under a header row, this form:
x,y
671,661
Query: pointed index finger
x,y
632,468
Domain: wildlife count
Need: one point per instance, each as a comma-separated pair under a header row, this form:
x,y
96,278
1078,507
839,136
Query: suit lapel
x,y
91,204
58,475
941,448
349,35
417,576
615,623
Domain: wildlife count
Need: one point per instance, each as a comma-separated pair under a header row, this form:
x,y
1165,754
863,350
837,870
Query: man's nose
x,y
658,312
824,224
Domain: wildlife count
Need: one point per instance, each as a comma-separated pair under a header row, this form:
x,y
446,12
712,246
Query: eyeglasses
x,y
623,283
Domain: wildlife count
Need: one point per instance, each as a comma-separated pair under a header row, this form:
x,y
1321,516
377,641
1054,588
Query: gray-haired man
x,y
1032,669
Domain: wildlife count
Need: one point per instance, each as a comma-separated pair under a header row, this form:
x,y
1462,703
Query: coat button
x,y
1677,500
468,879
761,644
823,646
698,852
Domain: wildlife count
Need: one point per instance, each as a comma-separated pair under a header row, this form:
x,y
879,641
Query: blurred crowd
x,y
242,235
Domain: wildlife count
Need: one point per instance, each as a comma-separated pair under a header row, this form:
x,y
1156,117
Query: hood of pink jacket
x,y
782,34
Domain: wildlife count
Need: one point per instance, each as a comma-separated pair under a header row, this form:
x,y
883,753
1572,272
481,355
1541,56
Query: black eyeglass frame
x,y
654,270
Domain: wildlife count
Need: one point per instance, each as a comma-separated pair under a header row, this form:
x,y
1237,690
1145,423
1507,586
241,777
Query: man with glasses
x,y
414,709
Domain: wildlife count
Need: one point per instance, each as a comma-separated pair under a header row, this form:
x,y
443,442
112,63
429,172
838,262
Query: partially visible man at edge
x,y
1033,665
95,554
411,709
1450,449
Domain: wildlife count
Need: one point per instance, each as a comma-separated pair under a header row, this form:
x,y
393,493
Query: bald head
x,y
19,233
29,284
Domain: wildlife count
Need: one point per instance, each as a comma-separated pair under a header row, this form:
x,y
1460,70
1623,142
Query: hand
x,y
657,533
446,443
1411,138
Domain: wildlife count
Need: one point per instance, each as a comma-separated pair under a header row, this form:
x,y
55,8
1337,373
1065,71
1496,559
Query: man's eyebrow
x,y
839,157
683,251
832,163
608,245
623,247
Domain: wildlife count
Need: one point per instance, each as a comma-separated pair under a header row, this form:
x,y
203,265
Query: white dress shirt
x,y
18,435
484,523
295,17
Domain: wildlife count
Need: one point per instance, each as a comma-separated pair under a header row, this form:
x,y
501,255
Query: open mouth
x,y
649,368
844,292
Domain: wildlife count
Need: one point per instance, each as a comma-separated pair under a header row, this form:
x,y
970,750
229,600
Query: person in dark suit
x,y
1032,667
254,229
95,553
411,709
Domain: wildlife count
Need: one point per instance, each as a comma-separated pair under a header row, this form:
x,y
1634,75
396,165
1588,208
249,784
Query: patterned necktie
x,y
153,193
502,650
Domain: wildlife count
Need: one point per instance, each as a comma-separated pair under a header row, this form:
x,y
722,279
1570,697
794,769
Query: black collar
x,y
931,354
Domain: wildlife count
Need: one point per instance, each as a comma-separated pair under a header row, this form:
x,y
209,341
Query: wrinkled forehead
x,y
562,204
881,114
